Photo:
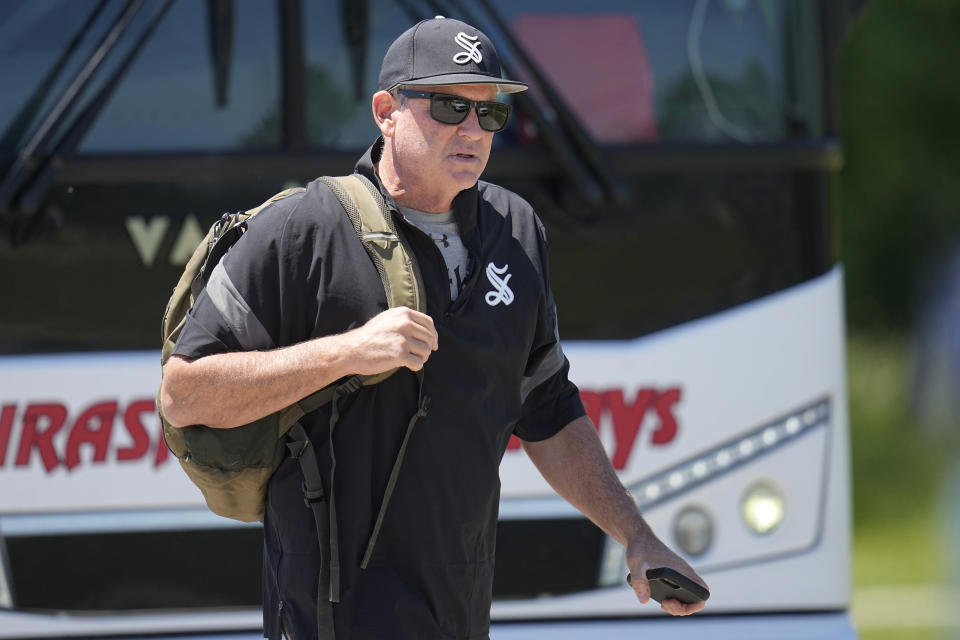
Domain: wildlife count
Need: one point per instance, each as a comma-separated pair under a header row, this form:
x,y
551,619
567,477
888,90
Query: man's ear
x,y
384,107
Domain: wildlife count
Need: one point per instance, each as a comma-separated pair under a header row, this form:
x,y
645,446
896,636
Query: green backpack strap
x,y
230,467
222,235
403,285
376,229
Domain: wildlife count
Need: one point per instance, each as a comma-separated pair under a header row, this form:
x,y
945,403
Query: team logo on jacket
x,y
471,49
501,292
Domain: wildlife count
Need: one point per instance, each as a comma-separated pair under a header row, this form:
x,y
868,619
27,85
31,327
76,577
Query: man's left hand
x,y
647,552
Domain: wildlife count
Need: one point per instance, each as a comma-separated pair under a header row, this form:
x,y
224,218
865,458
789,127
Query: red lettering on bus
x,y
141,441
667,430
40,423
6,425
94,426
627,418
594,404
41,439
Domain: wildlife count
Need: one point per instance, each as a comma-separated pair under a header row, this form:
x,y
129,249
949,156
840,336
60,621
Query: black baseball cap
x,y
443,51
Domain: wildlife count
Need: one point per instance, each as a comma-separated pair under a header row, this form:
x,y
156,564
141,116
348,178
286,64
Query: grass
x,y
903,552
898,471
908,634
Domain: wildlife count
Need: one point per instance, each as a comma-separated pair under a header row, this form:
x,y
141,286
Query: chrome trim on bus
x,y
729,455
231,623
245,625
694,471
45,524
835,625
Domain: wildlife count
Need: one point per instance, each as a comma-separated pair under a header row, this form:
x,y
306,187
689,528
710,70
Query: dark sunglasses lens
x,y
493,116
449,109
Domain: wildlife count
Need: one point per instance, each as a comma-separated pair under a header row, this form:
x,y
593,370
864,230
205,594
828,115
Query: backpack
x,y
232,467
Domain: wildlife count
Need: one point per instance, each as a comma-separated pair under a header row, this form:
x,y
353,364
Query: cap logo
x,y
471,49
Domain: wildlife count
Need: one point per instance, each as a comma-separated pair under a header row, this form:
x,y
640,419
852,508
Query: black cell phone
x,y
666,583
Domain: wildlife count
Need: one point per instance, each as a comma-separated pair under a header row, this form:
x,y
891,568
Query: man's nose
x,y
470,127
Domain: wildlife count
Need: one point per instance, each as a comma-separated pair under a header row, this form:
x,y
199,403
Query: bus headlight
x,y
693,531
763,508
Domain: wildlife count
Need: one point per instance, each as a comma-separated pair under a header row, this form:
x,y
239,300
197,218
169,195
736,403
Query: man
x,y
297,305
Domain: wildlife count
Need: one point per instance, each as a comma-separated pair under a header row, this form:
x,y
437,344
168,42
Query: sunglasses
x,y
450,109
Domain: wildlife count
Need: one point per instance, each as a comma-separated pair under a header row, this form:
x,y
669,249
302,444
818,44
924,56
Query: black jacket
x,y
299,273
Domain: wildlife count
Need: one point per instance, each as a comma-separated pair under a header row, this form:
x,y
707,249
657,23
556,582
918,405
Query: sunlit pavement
x,y
891,607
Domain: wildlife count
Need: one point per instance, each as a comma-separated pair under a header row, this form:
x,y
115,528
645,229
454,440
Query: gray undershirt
x,y
442,229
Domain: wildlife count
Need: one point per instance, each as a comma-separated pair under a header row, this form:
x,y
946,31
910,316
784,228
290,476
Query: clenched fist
x,y
398,337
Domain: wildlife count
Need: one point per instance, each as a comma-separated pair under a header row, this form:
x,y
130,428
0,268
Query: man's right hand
x,y
397,337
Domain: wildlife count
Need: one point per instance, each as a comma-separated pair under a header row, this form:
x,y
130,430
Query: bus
x,y
680,156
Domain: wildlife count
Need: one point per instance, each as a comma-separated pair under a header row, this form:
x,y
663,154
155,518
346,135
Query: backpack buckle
x,y
310,496
351,385
297,447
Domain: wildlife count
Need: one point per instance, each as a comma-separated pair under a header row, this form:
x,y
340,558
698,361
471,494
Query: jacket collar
x,y
464,204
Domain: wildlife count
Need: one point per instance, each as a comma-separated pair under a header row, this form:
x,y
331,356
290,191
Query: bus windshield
x,y
688,71
124,133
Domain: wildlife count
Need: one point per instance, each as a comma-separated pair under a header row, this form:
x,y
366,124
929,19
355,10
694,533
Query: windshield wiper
x,y
220,23
29,109
356,17
27,160
25,185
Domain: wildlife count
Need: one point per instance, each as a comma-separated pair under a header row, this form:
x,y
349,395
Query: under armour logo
x,y
471,49
502,292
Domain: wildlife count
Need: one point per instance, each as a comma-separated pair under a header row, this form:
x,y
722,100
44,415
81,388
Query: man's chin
x,y
464,179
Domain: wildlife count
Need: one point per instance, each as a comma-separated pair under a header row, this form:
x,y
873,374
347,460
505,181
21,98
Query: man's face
x,y
437,158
